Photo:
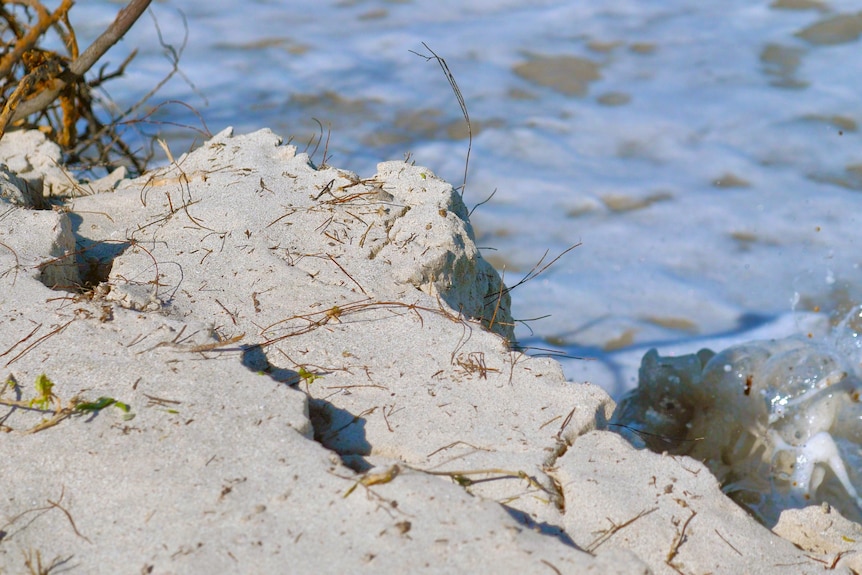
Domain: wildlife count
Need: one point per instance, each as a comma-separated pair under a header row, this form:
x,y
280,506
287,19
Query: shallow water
x,y
706,156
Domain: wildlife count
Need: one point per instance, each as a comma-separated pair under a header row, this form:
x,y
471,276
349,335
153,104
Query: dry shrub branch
x,y
47,89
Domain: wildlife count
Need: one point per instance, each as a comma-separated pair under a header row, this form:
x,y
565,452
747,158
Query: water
x,y
706,155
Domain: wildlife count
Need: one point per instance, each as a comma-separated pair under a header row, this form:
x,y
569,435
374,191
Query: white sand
x,y
475,458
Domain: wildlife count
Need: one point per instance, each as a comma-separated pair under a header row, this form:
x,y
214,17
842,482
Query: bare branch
x,y
124,20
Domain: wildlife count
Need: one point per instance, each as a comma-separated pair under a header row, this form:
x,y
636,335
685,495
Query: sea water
x,y
706,156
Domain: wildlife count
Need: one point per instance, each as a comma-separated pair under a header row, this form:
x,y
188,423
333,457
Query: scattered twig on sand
x,y
677,543
606,534
42,510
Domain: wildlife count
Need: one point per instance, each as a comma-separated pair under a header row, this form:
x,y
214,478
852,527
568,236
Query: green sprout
x,y
44,393
47,401
307,376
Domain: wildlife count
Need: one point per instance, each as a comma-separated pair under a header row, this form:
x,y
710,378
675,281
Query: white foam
x,y
777,421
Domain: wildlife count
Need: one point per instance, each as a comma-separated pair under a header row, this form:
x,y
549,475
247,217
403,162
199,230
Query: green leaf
x,y
97,405
102,403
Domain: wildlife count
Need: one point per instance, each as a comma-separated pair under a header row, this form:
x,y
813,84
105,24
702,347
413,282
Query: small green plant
x,y
10,382
307,376
44,393
46,401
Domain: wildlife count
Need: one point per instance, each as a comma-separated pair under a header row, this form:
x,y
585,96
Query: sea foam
x,y
779,422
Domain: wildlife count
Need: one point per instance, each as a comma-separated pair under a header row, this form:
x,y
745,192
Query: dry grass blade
x,y
173,55
369,479
34,565
317,144
482,203
454,444
678,541
216,345
451,79
319,319
462,477
722,537
42,510
615,527
670,441
536,271
14,268
500,294
59,415
333,260
53,332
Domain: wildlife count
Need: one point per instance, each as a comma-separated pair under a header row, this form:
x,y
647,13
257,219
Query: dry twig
x,y
615,527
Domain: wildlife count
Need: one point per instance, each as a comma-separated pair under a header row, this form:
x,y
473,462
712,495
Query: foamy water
x,y
706,155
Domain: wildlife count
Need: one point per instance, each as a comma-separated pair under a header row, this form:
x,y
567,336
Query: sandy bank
x,y
320,377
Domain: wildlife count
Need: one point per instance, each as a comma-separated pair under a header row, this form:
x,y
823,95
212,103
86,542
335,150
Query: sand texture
x,y
320,379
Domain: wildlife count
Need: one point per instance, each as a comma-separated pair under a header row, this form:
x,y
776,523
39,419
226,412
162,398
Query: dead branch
x,y
46,20
124,20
